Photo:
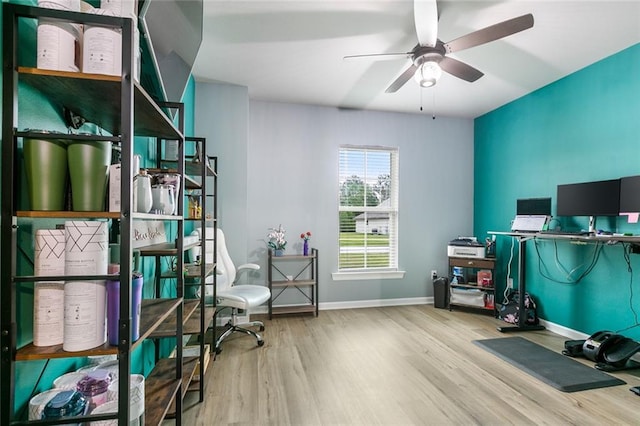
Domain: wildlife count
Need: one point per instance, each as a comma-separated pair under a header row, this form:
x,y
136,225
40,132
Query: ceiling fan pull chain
x,y
433,104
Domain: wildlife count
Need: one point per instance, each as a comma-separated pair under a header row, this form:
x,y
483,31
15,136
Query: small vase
x,y
278,252
305,248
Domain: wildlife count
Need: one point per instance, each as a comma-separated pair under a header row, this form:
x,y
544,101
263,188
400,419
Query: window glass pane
x,y
378,165
368,208
364,240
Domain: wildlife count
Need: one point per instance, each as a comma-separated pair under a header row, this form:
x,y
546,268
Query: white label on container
x,y
86,248
48,313
102,52
56,48
84,315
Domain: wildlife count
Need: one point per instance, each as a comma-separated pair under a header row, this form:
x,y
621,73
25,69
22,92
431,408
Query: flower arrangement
x,y
305,235
305,239
276,238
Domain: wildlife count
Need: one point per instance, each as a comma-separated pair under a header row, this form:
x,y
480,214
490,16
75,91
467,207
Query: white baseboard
x,y
378,303
552,327
563,331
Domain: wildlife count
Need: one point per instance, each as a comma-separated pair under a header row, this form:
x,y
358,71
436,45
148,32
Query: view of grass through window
x,y
368,208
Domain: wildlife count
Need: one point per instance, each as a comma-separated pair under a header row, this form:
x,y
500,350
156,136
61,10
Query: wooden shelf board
x,y
30,352
292,257
152,313
153,216
189,365
193,271
293,283
78,91
68,215
163,249
192,325
161,387
299,309
191,168
167,328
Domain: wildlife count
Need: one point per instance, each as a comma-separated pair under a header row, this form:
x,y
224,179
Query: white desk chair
x,y
236,296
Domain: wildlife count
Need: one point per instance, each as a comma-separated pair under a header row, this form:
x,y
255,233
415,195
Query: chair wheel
x,y
218,350
260,342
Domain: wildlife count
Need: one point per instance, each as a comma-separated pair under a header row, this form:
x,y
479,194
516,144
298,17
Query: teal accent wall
x,y
584,127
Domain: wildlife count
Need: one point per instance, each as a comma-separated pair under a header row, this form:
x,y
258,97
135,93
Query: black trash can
x,y
441,292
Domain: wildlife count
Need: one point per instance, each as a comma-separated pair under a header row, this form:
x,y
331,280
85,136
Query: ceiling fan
x,y
429,57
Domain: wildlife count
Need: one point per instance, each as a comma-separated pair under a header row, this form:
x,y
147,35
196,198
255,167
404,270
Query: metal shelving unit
x,y
200,181
121,107
303,278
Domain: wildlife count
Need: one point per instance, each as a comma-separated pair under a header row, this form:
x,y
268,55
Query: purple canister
x,y
94,387
113,308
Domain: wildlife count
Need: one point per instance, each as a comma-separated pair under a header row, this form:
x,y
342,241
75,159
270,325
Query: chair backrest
x,y
226,268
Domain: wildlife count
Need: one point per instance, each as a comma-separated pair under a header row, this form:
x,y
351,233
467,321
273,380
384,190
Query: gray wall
x,y
284,170
222,116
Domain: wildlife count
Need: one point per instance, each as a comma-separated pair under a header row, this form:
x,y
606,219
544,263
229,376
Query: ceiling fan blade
x,y
425,15
460,69
380,56
491,33
400,81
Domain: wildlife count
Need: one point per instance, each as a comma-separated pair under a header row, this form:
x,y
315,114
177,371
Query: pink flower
x,y
305,235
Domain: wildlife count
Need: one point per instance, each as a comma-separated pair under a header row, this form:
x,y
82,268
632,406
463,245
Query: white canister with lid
x,y
102,48
73,5
163,199
142,195
124,8
58,46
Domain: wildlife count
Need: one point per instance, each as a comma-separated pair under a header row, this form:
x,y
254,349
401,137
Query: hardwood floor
x,y
408,365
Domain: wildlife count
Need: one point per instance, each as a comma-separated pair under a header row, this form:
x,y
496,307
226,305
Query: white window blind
x,y
368,208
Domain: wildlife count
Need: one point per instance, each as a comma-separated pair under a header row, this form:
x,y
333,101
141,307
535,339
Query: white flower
x,y
276,238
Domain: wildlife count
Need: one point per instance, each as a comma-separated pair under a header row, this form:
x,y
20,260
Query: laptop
x,y
532,215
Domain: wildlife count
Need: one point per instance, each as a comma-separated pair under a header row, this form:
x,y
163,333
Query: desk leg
x,y
522,325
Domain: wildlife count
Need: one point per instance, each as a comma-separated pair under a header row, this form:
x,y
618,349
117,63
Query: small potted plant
x,y
305,242
277,240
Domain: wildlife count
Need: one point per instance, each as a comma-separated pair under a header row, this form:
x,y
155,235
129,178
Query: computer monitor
x,y
630,194
533,206
600,198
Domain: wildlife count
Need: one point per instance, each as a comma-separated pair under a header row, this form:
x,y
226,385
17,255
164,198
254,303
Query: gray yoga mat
x,y
557,370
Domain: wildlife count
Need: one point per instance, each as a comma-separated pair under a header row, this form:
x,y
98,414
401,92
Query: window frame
x,y
370,272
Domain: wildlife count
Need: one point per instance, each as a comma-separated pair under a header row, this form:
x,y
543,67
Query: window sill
x,y
368,275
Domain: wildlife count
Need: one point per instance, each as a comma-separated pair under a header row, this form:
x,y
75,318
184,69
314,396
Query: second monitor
x,y
600,198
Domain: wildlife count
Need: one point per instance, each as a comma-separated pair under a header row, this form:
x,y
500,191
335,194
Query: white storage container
x,y
58,46
464,296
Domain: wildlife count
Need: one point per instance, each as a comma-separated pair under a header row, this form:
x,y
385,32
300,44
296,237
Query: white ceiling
x,y
292,51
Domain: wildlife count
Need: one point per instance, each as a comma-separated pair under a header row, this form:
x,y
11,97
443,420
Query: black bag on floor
x,y
510,310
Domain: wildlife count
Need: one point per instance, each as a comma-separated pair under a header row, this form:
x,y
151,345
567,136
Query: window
x,y
368,209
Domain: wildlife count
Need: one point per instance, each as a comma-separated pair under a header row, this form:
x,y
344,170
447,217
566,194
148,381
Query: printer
x,y
465,247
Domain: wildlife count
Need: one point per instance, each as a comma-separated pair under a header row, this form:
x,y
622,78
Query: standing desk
x,y
522,238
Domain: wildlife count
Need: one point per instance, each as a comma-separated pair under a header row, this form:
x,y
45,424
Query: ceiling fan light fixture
x,y
428,74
